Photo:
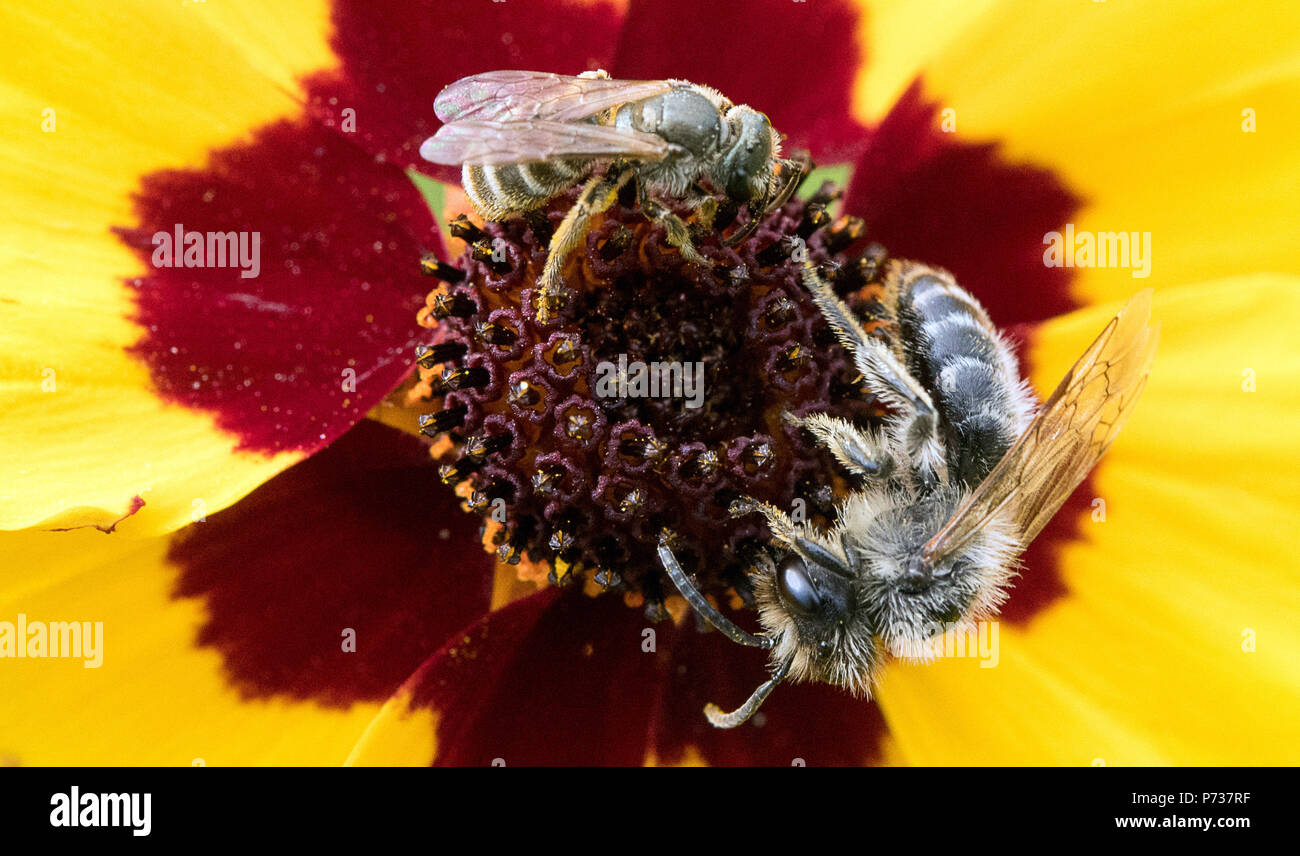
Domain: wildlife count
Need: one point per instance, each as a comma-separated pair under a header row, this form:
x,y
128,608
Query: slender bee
x,y
526,136
962,476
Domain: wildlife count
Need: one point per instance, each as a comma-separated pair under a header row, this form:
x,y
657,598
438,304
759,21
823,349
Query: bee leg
x,y
705,205
597,195
888,377
782,527
859,452
678,235
798,537
707,213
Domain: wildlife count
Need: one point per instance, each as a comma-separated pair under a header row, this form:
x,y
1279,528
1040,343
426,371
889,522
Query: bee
x,y
961,477
524,137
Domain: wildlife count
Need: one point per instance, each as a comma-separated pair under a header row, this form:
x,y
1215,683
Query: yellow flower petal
x,y
156,698
92,102
399,736
1141,108
1177,643
901,38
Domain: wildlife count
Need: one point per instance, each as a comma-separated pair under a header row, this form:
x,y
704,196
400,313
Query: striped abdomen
x,y
957,354
500,191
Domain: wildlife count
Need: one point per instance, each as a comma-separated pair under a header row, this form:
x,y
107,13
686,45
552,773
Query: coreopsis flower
x,y
215,466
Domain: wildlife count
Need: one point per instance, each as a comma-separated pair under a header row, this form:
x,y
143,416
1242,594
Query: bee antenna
x,y
706,609
720,719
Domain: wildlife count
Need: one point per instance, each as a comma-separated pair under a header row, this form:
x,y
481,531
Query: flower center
x,y
654,399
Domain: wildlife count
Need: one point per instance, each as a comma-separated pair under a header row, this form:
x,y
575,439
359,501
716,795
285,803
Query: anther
x,y
616,244
631,501
524,394
435,267
638,449
655,611
547,479
561,539
826,194
455,473
485,252
510,553
472,377
454,305
795,356
733,275
844,232
480,446
578,424
495,334
565,352
757,456
563,577
702,466
608,579
429,356
872,261
814,218
513,541
480,499
462,228
778,313
433,424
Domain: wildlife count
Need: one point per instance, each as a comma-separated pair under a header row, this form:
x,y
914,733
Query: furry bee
x,y
962,476
524,137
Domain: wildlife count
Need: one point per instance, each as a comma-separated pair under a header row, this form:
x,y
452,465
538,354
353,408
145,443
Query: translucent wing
x,y
515,96
494,143
1070,433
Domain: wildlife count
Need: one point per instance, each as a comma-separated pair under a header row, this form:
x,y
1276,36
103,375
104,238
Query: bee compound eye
x,y
796,586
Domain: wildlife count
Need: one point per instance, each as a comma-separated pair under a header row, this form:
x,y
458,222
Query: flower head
x,y
654,401
288,580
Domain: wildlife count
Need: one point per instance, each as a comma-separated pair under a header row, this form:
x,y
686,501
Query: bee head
x,y
811,606
750,144
914,600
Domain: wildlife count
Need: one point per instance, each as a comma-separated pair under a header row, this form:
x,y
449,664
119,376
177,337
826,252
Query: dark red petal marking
x,y
926,195
796,62
561,678
338,288
360,535
396,56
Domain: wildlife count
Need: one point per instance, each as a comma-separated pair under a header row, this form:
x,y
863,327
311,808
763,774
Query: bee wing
x,y
493,143
1069,434
516,96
